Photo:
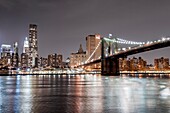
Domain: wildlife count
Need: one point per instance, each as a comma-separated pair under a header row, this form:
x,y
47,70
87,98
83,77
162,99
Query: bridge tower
x,y
109,66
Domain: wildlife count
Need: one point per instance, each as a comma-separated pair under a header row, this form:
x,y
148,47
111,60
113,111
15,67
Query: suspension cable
x,y
93,52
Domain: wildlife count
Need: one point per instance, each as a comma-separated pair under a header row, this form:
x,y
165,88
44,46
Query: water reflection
x,y
84,93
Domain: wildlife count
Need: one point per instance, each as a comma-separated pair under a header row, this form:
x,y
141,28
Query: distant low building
x,y
161,63
132,64
66,64
60,60
55,60
43,62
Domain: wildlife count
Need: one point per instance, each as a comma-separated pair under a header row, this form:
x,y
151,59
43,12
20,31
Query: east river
x,y
83,94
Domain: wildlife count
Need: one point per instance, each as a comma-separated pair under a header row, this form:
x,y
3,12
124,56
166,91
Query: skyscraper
x,y
92,42
6,54
5,51
25,54
26,46
33,46
15,58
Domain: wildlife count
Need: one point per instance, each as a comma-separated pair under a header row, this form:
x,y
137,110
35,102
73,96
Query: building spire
x,y
26,45
80,49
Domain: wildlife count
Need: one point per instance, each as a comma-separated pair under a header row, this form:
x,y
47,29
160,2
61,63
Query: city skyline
x,y
60,21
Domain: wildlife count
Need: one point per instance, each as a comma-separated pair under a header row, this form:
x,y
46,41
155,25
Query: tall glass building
x,y
33,46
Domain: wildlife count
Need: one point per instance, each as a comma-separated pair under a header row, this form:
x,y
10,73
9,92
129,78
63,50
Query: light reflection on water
x,y
84,93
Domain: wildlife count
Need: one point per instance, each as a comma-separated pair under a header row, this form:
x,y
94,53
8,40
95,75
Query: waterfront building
x,y
15,57
137,64
132,64
127,65
33,46
156,64
24,60
161,63
166,63
55,60
77,58
66,64
60,60
52,60
142,64
123,65
1,63
92,42
43,62
6,54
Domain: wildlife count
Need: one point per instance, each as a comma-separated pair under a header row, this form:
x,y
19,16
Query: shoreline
x,y
138,75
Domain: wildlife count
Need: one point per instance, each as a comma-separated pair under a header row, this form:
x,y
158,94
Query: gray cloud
x,y
7,4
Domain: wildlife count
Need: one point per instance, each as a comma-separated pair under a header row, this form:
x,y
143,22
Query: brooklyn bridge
x,y
113,48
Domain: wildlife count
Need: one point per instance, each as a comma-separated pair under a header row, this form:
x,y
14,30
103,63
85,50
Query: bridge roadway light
x,y
110,35
147,42
124,49
163,38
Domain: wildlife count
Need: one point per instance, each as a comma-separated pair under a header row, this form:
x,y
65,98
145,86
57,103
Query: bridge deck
x,y
140,49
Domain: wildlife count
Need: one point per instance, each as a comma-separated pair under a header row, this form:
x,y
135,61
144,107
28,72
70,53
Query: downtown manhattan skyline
x,y
64,24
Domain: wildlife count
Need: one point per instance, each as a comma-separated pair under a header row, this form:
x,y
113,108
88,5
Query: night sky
x,y
64,24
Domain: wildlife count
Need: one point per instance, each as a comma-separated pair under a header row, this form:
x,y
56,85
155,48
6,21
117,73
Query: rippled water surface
x,y
83,94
